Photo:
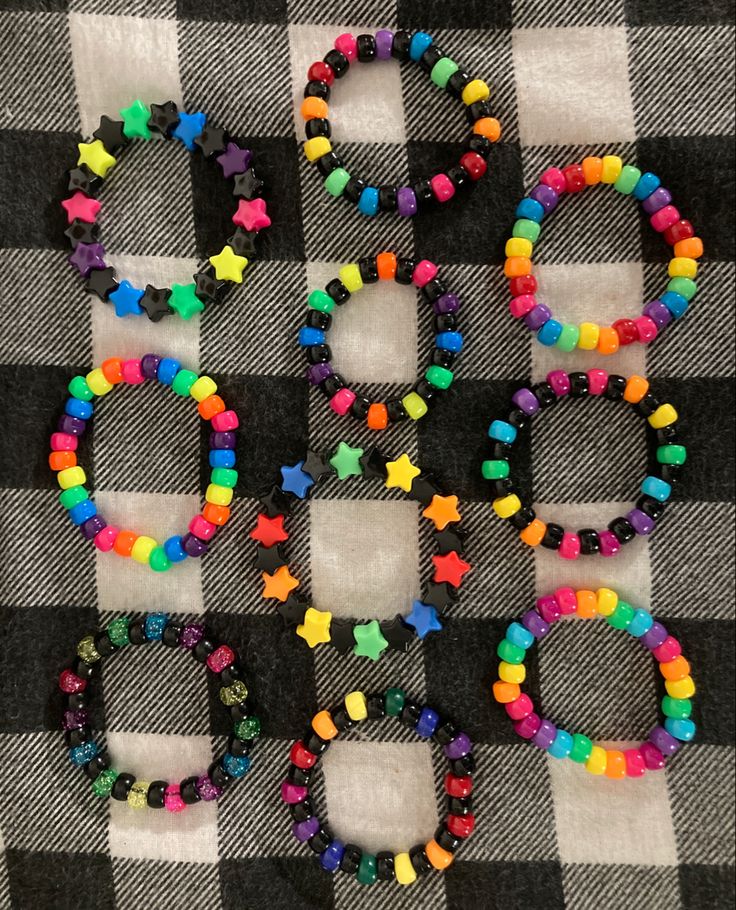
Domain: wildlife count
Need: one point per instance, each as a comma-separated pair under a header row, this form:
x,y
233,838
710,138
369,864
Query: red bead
x,y
460,825
71,683
524,284
269,530
458,786
574,178
321,72
301,756
450,568
681,230
626,330
474,164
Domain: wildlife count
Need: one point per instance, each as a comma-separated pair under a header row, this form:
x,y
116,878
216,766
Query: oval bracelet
x,y
71,476
405,867
664,740
655,490
664,218
448,341
84,751
97,156
420,48
364,639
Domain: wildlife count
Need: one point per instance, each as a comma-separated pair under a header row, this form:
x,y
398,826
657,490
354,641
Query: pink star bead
x,y
251,215
82,207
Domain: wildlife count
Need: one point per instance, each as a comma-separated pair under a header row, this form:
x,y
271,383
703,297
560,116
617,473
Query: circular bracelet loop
x,y
406,867
364,639
438,376
664,218
655,489
71,476
86,754
445,73
664,740
97,156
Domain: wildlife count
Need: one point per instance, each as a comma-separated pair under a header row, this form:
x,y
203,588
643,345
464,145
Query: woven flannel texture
x,y
650,81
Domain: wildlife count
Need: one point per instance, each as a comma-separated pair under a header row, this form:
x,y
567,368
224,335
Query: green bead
x,y
336,181
79,389
510,652
569,337
183,381
527,229
87,651
621,616
234,694
346,461
679,708
442,70
495,470
135,120
73,496
321,300
581,748
394,702
102,784
224,477
184,301
367,871
439,377
671,454
248,728
369,640
158,560
117,631
685,287
627,179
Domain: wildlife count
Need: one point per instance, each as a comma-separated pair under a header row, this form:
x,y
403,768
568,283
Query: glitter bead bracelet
x,y
85,753
406,867
71,476
364,639
655,489
95,160
664,740
664,218
420,48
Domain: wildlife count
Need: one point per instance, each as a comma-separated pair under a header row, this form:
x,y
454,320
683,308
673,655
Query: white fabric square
x,y
572,85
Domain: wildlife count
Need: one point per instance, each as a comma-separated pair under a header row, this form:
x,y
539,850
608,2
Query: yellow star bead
x,y
228,265
316,627
401,473
96,157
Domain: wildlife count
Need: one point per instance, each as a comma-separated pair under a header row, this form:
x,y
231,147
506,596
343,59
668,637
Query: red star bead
x,y
269,530
82,207
450,568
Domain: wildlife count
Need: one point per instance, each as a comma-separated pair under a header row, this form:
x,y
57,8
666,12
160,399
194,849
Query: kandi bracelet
x,y
448,341
420,48
364,639
664,740
85,753
664,218
655,489
95,160
71,476
404,868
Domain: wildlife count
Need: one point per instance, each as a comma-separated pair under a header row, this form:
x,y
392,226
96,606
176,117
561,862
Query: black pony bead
x,y
423,191
671,473
239,747
314,743
651,507
443,358
667,435
316,319
410,713
320,841
427,391
444,322
82,669
553,536
317,89
103,644
405,270
234,673
172,631
368,269
354,189
337,290
328,163
458,175
517,418
332,384
445,733
648,405
622,529
318,126
95,767
482,145
300,812
318,353
478,110
385,866
431,56
446,839
218,775
338,61
341,719
396,410
503,487
590,542
420,860
545,394
156,794
202,650
433,289
460,806
615,387
359,408
463,766
366,45
375,705
457,82
523,518
299,776
400,45
188,791
501,450
78,736
351,859
121,787
387,197
579,385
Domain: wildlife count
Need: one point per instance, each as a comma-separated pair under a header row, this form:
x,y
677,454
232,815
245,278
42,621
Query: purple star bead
x,y
87,256
234,160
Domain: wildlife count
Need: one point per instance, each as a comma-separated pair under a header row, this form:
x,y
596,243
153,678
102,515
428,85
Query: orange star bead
x,y
280,584
442,510
269,531
450,568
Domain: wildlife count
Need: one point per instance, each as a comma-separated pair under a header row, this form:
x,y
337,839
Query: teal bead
x,y
519,635
640,624
528,230
502,432
621,616
562,745
224,477
681,728
656,488
568,338
495,470
676,708
510,652
671,454
685,287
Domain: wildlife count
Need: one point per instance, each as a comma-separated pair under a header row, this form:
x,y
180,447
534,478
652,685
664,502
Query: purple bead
x,y
610,544
656,636
191,635
92,527
640,521
222,440
653,758
526,401
545,196
192,545
74,426
75,720
206,789
532,621
548,609
86,257
149,365
663,741
658,313
406,202
657,200
545,735
447,303
234,160
318,372
459,747
384,42
302,831
537,316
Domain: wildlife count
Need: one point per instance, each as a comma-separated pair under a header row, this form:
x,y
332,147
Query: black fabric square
x,y
233,10
59,880
679,12
706,886
454,14
504,886
275,883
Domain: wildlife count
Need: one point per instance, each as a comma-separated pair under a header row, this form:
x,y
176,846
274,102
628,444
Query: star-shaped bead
x,y
440,596
396,632
80,207
82,178
243,242
135,120
248,184
207,286
296,480
424,619
111,135
346,461
450,539
450,568
292,610
316,466
184,300
82,232
164,117
369,640
316,627
102,282
126,300
374,463
269,531
234,160
276,502
341,635
189,127
251,214
211,140
96,157
155,303
279,584
269,558
401,473
86,257
423,488
443,511
229,266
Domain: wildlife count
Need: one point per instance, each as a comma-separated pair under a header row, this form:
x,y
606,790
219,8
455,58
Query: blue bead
x,y
189,127
640,624
531,209
519,635
167,370
449,341
646,185
174,550
295,480
502,431
656,488
680,727
550,332
675,303
561,745
235,765
222,458
126,299
80,755
419,44
82,511
154,626
368,202
427,723
309,336
332,856
75,407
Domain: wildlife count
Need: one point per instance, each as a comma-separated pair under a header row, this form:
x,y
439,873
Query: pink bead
x,y
132,372
646,329
342,401
200,527
548,608
172,799
442,187
225,421
291,793
560,382
653,758
63,442
598,380
566,600
610,544
554,177
664,218
348,45
522,305
105,539
635,765
424,272
570,546
668,650
220,658
528,726
71,683
520,707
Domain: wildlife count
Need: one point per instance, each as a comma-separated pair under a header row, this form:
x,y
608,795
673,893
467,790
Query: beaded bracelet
x,y
86,754
445,73
71,476
448,341
655,490
664,218
405,868
364,639
95,160
664,740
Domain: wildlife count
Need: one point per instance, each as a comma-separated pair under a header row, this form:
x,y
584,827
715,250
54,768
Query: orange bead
x,y
505,692
636,388
615,764
439,857
217,515
124,542
377,417
675,669
112,370
211,406
692,248
488,127
533,533
517,266
60,460
608,340
592,170
386,265
587,604
314,108
323,725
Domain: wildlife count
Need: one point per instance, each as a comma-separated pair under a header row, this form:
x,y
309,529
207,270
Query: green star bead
x,y
248,728
369,640
102,784
346,461
117,630
135,120
184,301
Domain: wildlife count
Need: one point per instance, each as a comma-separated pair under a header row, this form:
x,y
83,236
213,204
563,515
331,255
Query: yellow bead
x,y
474,91
414,405
589,334
317,147
219,496
612,166
596,763
356,705
607,601
680,688
142,549
315,629
98,382
662,417
71,477
506,506
519,246
680,267
137,795
203,388
96,157
512,673
403,869
228,265
350,276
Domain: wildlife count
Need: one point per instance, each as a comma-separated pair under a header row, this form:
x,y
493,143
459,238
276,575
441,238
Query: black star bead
x,y
450,539
248,185
268,559
276,502
316,466
439,596
292,610
102,282
211,140
341,635
207,287
110,133
423,488
396,632
373,463
243,243
82,178
82,232
164,118
155,302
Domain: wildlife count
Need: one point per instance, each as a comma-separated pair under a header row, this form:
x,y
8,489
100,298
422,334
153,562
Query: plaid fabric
x,y
650,81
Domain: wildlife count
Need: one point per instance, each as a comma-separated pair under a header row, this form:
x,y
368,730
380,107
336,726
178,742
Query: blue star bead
x,y
423,618
126,299
189,127
296,480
